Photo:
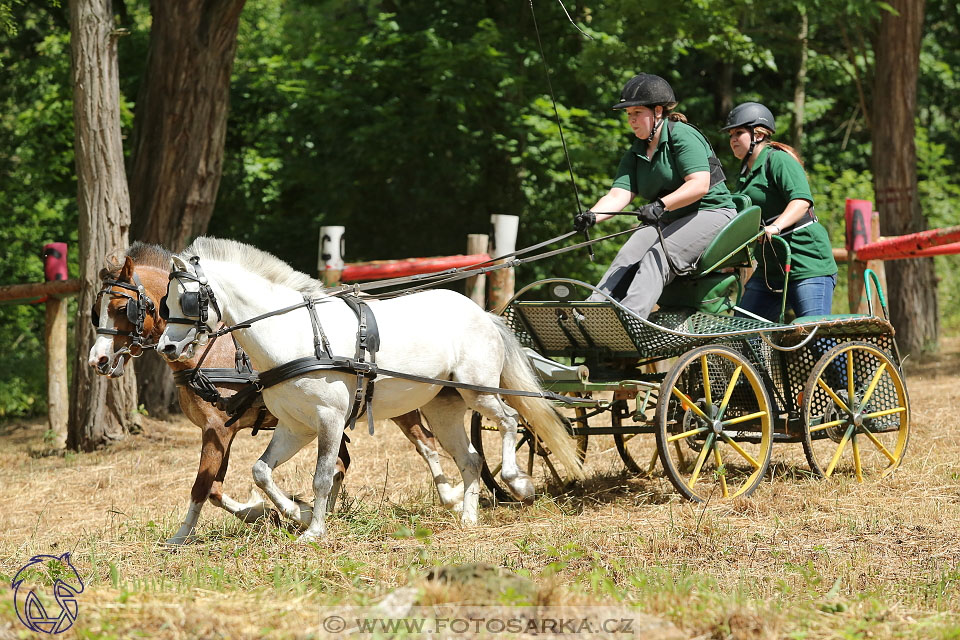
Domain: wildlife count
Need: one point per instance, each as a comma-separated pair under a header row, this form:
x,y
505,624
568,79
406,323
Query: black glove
x,y
651,213
585,220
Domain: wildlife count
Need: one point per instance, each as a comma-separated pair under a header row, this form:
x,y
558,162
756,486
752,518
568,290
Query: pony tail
x,y
677,117
788,149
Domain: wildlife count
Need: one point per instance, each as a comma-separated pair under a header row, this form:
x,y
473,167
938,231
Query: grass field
x,y
801,558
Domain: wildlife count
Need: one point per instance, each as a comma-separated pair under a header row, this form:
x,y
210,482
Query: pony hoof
x,y
308,537
521,488
178,541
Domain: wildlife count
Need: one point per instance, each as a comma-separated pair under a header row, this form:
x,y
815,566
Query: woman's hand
x,y
769,231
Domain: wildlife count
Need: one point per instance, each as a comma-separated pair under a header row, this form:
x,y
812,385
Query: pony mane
x,y
150,255
259,262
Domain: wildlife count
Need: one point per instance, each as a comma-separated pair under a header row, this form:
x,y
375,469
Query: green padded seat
x,y
706,289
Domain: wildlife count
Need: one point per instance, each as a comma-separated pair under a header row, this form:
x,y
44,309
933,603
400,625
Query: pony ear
x,y
178,264
126,272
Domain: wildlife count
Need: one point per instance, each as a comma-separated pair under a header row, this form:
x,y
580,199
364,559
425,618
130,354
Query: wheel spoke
x,y
729,391
833,396
736,447
700,460
840,447
873,384
850,376
680,456
885,412
749,416
653,462
706,379
720,472
856,457
827,425
686,434
690,404
879,445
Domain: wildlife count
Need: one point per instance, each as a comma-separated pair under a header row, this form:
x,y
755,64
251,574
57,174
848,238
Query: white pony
x,y
437,334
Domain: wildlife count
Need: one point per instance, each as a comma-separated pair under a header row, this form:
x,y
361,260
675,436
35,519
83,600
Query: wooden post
x,y
330,260
476,286
858,218
504,243
55,338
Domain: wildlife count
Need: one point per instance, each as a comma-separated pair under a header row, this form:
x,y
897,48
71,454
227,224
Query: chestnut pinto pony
x,y
437,335
121,336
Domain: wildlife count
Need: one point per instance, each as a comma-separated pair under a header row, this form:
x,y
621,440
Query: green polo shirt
x,y
771,186
655,177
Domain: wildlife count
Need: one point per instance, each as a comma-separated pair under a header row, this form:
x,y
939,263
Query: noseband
x,y
137,308
194,304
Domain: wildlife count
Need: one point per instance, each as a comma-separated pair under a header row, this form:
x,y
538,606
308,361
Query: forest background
x,y
412,122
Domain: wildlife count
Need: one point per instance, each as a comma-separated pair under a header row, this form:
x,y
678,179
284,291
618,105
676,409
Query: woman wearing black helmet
x,y
772,175
671,165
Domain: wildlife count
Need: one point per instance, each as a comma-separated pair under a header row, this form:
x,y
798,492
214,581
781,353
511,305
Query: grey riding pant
x,y
640,271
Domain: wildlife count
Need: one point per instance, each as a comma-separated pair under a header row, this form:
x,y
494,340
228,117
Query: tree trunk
x,y
913,292
103,410
800,84
181,119
178,138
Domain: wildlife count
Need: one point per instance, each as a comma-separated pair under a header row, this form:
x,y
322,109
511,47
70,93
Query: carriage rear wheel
x,y
856,413
637,450
485,438
714,425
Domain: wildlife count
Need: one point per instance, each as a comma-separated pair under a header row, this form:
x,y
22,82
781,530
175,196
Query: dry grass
x,y
801,558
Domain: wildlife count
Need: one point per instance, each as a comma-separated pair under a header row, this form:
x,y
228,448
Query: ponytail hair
x,y
677,117
779,145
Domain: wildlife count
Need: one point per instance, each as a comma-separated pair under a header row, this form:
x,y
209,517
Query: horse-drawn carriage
x,y
732,386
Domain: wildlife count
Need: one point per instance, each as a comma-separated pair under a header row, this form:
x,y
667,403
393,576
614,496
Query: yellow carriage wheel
x,y
856,413
714,425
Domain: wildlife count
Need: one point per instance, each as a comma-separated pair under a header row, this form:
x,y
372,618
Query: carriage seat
x,y
709,289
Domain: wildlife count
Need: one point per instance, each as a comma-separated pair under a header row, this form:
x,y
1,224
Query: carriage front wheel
x,y
485,438
714,425
856,413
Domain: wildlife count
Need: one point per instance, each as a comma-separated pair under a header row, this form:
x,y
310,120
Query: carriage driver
x,y
671,165
772,175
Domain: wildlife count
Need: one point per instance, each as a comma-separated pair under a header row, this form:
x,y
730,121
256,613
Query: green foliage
x,y
412,124
37,187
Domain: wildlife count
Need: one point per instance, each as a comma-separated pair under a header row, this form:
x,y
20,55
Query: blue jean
x,y
807,297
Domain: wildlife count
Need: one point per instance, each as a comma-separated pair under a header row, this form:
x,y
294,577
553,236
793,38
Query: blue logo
x,y
67,585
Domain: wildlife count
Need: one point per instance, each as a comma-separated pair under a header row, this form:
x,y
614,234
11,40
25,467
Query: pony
x,y
122,335
439,335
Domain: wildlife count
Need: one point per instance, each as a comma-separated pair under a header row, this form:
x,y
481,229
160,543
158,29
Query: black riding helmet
x,y
644,90
647,90
750,115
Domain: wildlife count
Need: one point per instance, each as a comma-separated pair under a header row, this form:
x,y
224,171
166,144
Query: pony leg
x,y
329,433
284,444
490,406
214,455
445,414
343,463
426,445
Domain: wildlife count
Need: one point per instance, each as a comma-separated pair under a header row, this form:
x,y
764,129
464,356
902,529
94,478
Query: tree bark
x,y
103,410
178,139
913,292
181,119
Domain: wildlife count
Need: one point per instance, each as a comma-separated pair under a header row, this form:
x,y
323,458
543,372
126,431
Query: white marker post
x,y
502,281
330,259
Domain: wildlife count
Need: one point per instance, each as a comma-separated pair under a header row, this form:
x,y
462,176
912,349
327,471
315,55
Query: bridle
x,y
136,309
195,305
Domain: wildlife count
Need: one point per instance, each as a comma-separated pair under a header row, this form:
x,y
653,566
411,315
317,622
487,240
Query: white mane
x,y
254,260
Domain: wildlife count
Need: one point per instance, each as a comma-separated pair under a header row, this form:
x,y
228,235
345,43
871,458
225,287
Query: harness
x,y
363,364
200,381
136,310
